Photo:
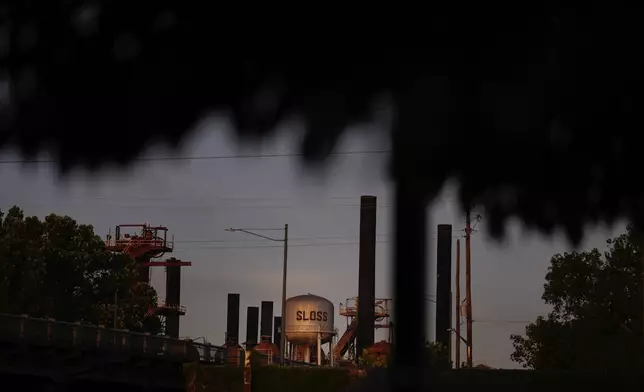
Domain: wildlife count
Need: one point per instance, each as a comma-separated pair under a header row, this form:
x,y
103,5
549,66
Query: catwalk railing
x,y
48,332
218,355
209,353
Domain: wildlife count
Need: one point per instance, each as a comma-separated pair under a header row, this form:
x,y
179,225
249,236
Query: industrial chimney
x,y
173,299
444,285
232,320
266,324
252,323
366,274
277,331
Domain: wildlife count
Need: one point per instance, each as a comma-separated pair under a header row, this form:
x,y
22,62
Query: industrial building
x,y
308,325
147,245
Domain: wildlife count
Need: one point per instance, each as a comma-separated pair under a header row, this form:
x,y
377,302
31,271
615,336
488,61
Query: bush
x,y
437,358
312,379
309,379
210,378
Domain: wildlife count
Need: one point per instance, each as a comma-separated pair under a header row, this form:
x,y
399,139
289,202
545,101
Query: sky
x,y
198,198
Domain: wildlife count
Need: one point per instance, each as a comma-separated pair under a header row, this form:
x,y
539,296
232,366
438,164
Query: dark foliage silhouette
x,y
57,268
533,115
596,322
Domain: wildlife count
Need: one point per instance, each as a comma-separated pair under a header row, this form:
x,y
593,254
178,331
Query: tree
x,y
438,356
57,268
534,81
596,321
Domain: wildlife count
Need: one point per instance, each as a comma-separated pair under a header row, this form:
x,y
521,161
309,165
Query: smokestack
x,y
443,285
232,320
366,275
277,328
252,323
266,327
172,298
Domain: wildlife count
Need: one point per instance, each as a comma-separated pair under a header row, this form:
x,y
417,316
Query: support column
x,y
173,300
319,344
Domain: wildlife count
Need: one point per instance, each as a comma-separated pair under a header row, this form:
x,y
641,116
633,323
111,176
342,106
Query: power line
x,y
254,241
221,198
281,246
205,205
195,206
207,157
502,321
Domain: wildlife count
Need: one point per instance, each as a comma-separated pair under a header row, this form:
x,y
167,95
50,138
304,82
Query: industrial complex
x,y
305,332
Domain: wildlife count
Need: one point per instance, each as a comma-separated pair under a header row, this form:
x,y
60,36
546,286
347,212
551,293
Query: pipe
x,y
319,356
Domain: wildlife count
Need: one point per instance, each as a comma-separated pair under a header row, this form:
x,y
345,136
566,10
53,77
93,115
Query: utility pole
x,y
641,246
457,319
285,263
468,285
283,334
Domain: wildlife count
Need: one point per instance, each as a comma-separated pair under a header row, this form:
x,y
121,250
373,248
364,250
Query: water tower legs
x,y
319,354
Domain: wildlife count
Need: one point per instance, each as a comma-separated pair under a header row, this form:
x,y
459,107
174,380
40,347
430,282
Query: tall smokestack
x,y
366,274
277,329
252,323
443,285
173,299
266,326
232,320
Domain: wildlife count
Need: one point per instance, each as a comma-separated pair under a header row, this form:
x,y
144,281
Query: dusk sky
x,y
198,199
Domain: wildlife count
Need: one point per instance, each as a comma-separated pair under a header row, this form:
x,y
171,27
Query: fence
x,y
49,332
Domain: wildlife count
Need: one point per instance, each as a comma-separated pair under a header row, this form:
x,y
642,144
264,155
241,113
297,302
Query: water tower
x,y
309,323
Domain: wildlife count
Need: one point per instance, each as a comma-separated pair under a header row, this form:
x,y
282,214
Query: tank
x,y
268,352
306,315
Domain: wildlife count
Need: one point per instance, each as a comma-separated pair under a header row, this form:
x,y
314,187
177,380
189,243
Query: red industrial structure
x,y
144,243
347,342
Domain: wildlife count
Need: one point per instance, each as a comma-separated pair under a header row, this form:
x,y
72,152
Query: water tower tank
x,y
306,315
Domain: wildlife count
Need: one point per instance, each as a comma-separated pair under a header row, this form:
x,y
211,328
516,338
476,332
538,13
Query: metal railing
x,y
265,354
178,308
353,311
209,353
49,332
164,305
132,242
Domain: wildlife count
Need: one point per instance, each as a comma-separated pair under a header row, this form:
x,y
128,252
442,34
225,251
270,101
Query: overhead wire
x,y
206,157
280,246
202,205
502,321
290,239
252,244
